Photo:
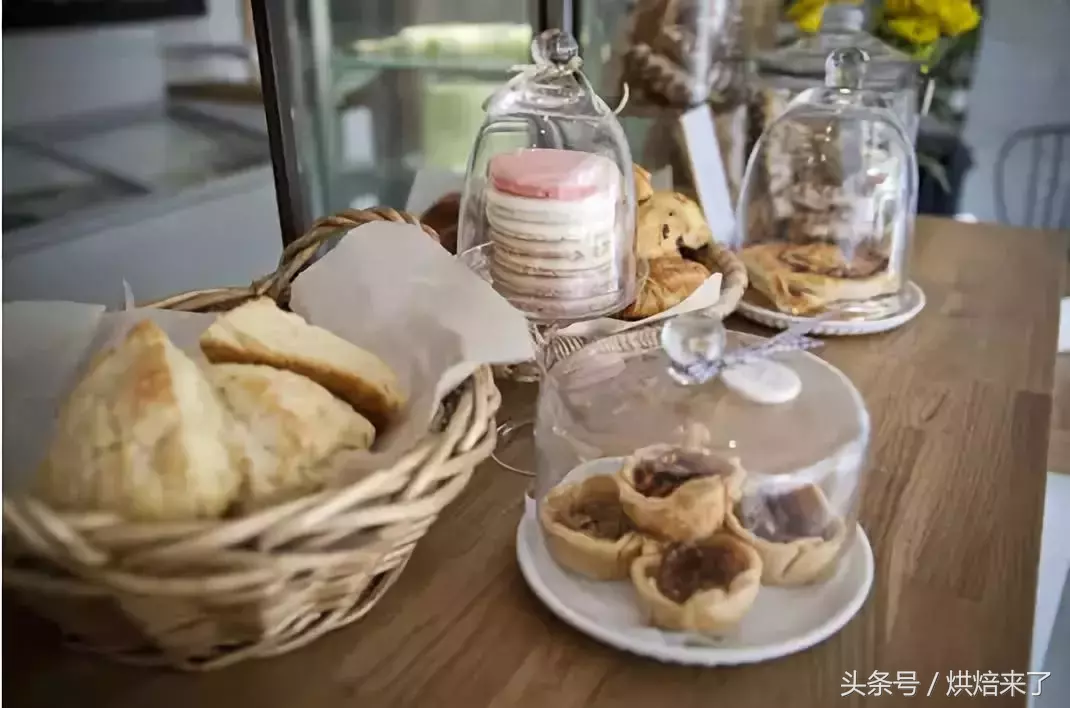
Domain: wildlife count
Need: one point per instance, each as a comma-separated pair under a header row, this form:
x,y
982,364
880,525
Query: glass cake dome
x,y
725,455
826,212
548,207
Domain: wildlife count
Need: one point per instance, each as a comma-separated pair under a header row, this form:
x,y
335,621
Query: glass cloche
x,y
826,212
548,208
785,72
726,456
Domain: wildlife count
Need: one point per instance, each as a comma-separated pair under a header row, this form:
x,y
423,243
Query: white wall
x,y
1025,47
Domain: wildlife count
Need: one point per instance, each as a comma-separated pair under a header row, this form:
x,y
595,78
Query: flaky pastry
x,y
795,533
587,531
670,281
677,493
802,279
706,587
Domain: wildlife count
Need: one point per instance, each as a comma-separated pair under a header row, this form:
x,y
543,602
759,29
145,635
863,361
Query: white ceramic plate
x,y
904,309
783,620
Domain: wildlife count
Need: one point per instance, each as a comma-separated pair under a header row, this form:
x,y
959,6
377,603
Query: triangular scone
x,y
296,429
259,332
143,435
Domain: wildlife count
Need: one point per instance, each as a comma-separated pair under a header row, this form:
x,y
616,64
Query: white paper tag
x,y
661,180
707,171
763,381
430,184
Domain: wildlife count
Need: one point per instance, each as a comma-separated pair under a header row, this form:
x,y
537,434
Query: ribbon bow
x,y
792,339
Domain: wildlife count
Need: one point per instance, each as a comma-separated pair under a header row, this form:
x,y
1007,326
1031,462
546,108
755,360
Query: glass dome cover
x,y
801,64
826,212
689,434
549,201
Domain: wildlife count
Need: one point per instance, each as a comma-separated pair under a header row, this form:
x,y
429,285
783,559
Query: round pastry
x,y
669,282
442,216
587,532
665,222
795,533
706,588
802,279
679,493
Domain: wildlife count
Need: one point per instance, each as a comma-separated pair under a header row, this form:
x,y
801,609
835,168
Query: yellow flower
x,y
916,30
803,8
811,21
958,17
898,8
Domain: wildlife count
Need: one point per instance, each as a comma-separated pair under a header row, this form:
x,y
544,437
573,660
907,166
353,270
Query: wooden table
x,y
960,402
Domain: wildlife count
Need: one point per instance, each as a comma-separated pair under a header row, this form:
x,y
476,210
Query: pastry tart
x,y
705,587
795,533
679,493
587,532
802,279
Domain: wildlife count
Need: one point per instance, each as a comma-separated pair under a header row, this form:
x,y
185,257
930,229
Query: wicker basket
x,y
204,594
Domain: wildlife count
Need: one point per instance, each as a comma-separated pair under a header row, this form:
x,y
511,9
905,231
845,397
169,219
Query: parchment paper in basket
x,y
390,289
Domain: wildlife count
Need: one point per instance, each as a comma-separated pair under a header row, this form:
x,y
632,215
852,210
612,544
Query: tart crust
x,y
711,611
695,509
802,560
581,552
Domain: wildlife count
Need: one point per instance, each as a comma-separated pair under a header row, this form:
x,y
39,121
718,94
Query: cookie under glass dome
x,y
694,444
548,207
826,212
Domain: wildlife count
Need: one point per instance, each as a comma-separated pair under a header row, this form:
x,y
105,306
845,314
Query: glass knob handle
x,y
690,341
846,68
555,47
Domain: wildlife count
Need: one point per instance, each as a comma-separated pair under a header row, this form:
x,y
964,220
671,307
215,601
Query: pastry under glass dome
x,y
825,217
703,448
548,206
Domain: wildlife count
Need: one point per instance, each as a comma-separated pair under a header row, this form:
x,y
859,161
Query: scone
x,y
143,435
296,430
665,222
671,280
705,587
802,279
680,494
795,533
587,531
259,332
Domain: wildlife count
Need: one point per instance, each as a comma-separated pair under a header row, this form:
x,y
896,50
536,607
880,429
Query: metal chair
x,y
1042,208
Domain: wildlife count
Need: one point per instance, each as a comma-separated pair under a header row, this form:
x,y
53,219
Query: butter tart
x,y
705,587
587,531
802,279
679,493
795,533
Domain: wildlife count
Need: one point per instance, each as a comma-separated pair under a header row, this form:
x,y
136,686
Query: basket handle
x,y
733,279
294,257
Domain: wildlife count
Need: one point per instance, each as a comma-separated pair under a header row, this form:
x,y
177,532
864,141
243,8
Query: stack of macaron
x,y
554,225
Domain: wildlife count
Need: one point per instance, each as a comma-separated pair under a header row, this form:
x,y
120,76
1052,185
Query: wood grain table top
x,y
960,401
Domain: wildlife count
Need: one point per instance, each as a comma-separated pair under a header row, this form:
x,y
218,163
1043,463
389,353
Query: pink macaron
x,y
540,173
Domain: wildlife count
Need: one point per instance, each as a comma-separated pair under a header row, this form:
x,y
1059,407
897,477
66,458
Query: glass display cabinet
x,y
361,96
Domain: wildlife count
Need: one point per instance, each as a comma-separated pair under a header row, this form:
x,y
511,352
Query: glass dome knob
x,y
846,68
554,46
691,339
